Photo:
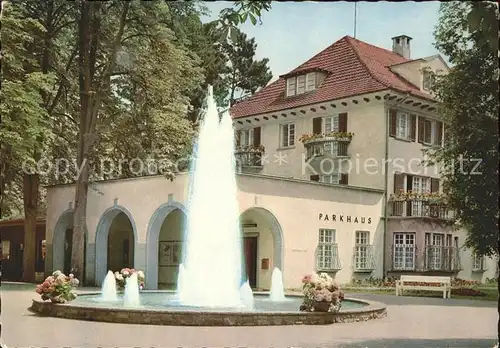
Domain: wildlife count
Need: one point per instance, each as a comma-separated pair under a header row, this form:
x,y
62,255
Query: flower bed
x,y
304,138
58,288
121,277
321,294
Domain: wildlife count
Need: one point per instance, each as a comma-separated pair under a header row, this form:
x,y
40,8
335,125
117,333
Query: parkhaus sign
x,y
344,218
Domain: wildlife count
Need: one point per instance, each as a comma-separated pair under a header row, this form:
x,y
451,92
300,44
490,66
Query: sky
x,y
293,32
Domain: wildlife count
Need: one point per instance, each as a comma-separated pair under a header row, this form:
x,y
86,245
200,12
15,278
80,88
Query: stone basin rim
x,y
172,317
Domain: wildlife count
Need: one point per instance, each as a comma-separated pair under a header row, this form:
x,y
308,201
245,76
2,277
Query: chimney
x,y
401,45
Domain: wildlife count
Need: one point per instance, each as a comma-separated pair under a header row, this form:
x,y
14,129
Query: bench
x,y
410,282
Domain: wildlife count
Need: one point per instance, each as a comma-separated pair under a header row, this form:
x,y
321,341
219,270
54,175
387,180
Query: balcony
x,y
431,258
249,156
421,208
363,258
327,258
333,144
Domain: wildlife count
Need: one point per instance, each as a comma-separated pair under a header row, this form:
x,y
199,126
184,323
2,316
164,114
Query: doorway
x,y
250,253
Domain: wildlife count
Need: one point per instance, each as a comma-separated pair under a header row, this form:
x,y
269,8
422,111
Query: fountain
x,y
108,290
214,177
277,293
131,297
247,295
210,291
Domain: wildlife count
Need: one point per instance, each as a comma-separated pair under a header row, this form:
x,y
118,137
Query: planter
x,y
322,306
57,300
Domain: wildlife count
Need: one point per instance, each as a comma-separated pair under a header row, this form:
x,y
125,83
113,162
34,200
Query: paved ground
x,y
411,322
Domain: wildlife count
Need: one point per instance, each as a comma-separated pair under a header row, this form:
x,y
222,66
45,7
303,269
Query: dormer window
x,y
303,83
427,80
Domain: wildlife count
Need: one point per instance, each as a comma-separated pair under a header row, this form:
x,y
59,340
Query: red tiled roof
x,y
355,67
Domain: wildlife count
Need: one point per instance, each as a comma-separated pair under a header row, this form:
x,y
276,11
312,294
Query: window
x,y
301,84
477,263
404,251
288,135
327,257
428,80
5,249
403,125
420,184
363,257
291,84
330,179
310,82
246,137
331,124
430,131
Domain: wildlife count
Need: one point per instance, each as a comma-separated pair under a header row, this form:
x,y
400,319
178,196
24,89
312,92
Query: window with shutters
x,y
403,125
246,137
431,132
331,124
327,256
288,135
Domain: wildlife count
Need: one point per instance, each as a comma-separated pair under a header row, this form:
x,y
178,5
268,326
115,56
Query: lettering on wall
x,y
344,218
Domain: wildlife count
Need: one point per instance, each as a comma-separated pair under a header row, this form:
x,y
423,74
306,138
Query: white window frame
x,y
246,136
288,140
5,249
333,178
477,263
427,80
290,92
332,121
403,132
361,252
420,184
310,81
404,253
301,84
327,252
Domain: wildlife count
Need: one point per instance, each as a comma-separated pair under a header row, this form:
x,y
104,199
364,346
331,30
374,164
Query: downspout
x,y
386,182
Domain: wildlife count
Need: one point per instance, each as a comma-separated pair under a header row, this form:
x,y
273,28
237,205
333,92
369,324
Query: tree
x,y
245,74
470,106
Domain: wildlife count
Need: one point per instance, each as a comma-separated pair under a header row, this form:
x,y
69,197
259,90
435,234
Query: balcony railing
x,y
364,259
249,157
430,258
327,257
419,208
333,146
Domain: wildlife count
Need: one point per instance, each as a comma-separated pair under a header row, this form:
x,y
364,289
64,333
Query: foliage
x,y
251,148
469,104
246,74
431,197
58,288
321,288
125,273
304,138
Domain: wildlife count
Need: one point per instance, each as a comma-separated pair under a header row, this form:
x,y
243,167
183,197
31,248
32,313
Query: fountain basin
x,y
151,312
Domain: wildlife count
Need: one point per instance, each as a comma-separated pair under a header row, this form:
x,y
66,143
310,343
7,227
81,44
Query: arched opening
x,y
170,249
262,246
120,244
116,236
164,245
62,243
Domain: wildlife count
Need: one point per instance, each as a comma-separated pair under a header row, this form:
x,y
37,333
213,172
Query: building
x,y
12,236
331,179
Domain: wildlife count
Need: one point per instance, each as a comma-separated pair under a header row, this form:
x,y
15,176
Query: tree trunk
x,y
31,183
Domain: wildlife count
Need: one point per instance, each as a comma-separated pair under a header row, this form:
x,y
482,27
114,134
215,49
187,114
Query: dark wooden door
x,y
250,252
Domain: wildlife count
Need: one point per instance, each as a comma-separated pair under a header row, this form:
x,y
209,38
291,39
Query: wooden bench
x,y
410,282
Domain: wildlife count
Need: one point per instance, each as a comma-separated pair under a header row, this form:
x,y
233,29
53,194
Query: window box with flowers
x,y
249,155
419,204
326,144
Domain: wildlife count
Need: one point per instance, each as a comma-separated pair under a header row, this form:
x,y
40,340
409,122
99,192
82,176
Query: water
x,y
181,279
131,297
212,245
247,295
108,290
277,293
